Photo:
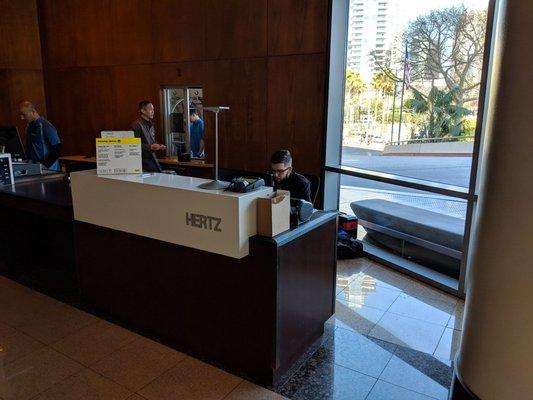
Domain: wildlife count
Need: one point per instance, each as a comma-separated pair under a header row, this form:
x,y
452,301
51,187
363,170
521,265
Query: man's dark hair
x,y
281,156
143,104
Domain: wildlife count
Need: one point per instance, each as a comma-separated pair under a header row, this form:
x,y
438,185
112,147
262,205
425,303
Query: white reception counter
x,y
170,208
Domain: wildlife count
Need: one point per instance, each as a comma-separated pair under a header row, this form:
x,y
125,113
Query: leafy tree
x,y
438,112
354,84
354,87
448,44
383,83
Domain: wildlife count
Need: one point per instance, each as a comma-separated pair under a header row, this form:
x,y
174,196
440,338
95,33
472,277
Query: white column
x,y
495,360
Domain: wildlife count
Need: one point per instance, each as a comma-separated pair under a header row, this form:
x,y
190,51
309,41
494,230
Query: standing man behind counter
x,y
42,141
197,136
143,128
286,179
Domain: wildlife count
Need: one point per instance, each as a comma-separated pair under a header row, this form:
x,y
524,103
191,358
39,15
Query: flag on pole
x,y
406,70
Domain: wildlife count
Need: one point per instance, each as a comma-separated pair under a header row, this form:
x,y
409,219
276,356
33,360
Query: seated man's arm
x,y
306,191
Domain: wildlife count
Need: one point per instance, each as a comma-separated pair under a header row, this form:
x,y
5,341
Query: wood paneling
x,y
241,85
296,87
179,30
104,56
297,26
21,75
134,83
132,38
82,102
236,28
19,35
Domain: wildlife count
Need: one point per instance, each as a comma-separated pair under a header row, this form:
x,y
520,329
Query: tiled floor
x,y
52,351
390,338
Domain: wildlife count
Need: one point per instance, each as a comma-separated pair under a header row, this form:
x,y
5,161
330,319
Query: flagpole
x,y
401,97
393,110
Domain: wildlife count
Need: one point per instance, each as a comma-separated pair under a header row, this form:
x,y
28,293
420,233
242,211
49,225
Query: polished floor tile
x,y
92,343
52,322
424,309
448,344
386,391
358,352
419,372
248,391
386,277
366,293
421,290
84,386
456,320
355,316
408,332
6,331
323,380
349,269
138,363
17,345
32,374
193,380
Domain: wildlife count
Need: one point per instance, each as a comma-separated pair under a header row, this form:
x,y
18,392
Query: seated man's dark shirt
x,y
297,184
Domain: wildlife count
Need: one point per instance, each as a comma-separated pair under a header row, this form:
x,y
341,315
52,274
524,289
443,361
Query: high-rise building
x,y
371,32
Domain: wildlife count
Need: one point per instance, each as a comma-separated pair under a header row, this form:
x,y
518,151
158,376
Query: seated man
x,y
286,179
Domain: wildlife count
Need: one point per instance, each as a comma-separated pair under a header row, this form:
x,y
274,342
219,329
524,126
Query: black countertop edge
x,y
318,218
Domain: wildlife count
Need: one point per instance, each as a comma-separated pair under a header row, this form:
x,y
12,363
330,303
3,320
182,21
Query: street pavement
x,y
448,170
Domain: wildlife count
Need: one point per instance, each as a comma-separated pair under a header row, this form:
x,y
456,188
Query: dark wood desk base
x,y
254,316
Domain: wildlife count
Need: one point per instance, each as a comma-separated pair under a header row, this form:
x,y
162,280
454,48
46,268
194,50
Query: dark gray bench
x,y
431,238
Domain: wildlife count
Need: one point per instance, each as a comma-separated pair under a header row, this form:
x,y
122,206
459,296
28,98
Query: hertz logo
x,y
203,222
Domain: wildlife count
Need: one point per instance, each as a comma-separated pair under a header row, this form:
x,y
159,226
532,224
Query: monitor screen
x,y
10,139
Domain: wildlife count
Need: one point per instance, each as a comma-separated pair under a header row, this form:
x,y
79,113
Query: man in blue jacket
x,y
197,136
42,141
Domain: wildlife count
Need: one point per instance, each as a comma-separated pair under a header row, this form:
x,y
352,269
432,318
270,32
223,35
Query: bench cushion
x,y
427,225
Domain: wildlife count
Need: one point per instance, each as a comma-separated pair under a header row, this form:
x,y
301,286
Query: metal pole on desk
x,y
215,184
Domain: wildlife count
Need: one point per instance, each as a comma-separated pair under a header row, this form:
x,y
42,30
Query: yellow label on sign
x,y
108,141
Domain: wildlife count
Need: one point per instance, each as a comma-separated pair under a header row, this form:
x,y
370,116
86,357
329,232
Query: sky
x,y
413,8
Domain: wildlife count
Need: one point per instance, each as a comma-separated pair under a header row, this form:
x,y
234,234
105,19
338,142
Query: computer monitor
x,y
10,139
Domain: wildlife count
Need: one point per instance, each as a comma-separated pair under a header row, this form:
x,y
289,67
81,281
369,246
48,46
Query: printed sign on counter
x,y
118,156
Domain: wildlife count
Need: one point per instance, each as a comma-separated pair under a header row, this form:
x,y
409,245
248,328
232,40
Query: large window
x,y
409,139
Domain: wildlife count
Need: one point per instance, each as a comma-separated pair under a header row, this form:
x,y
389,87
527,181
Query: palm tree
x,y
354,87
443,117
384,85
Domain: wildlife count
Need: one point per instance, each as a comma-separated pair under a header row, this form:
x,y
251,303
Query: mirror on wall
x,y
183,121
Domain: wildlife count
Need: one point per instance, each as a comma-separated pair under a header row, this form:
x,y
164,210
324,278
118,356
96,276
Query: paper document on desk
x,y
118,156
116,134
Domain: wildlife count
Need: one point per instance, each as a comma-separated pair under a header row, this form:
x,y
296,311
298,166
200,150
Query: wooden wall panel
x,y
297,26
134,83
5,97
241,85
264,58
21,76
132,37
19,35
179,31
81,103
236,28
296,89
